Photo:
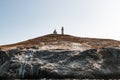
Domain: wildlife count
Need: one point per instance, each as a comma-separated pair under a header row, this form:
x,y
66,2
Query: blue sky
x,y
25,19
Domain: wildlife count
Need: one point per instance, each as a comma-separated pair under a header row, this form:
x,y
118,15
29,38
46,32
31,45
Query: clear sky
x,y
25,19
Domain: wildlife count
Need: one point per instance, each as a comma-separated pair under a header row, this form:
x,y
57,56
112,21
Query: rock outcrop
x,y
56,63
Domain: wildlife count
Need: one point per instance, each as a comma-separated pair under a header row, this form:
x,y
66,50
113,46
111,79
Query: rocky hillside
x,y
61,56
59,40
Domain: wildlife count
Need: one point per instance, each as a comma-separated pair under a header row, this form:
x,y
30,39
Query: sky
x,y
26,19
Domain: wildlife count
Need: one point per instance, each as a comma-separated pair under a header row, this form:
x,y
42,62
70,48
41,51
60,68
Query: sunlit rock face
x,y
60,63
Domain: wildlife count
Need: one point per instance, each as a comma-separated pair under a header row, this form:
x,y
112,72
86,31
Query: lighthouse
x,y
62,30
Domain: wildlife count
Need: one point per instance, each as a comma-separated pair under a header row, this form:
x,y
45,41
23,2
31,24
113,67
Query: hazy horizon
x,y
25,19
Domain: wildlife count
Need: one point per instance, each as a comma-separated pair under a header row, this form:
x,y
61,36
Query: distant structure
x,y
62,30
55,32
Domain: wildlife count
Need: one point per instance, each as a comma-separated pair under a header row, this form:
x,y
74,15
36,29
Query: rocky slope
x,y
61,56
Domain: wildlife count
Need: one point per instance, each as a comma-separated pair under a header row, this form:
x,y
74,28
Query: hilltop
x,y
55,39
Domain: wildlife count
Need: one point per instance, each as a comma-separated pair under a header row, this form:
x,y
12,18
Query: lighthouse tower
x,y
62,30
